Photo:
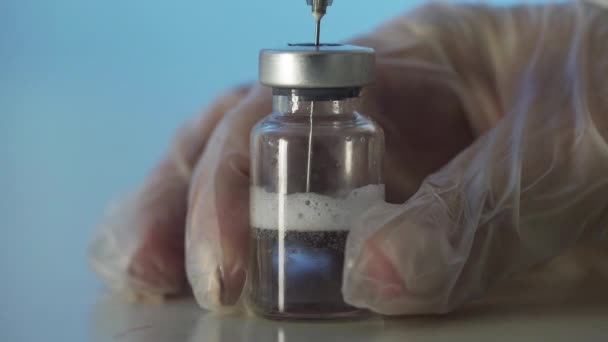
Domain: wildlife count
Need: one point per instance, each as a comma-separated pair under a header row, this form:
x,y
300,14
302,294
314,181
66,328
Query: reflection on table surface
x,y
184,321
572,305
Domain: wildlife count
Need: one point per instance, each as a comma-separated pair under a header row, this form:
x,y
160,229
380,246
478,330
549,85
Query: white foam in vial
x,y
310,211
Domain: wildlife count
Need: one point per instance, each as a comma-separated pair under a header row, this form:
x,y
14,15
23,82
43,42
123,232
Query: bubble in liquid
x,y
307,202
349,138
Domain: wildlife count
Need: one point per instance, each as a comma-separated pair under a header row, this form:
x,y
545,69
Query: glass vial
x,y
316,164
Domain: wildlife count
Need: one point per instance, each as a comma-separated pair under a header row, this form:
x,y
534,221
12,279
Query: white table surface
x,y
571,306
115,320
183,321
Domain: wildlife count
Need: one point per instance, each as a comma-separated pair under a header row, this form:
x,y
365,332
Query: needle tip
x,y
317,32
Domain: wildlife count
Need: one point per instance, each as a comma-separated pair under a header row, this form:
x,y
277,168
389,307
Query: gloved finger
x,y
217,235
526,191
140,248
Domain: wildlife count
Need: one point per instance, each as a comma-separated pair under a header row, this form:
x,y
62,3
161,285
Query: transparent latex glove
x,y
446,74
529,188
138,248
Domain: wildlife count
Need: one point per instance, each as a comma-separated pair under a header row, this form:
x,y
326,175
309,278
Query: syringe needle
x,y
319,8
317,32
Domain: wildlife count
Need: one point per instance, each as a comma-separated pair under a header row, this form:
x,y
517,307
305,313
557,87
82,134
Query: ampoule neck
x,y
294,104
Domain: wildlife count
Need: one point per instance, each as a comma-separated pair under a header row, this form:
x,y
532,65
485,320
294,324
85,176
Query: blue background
x,y
90,95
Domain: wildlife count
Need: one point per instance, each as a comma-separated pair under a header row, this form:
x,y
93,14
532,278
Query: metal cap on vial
x,y
308,66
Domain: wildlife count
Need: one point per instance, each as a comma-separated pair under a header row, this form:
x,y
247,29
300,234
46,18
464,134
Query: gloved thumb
x,y
492,212
524,192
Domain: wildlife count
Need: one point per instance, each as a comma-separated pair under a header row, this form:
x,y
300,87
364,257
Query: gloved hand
x,y
496,130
